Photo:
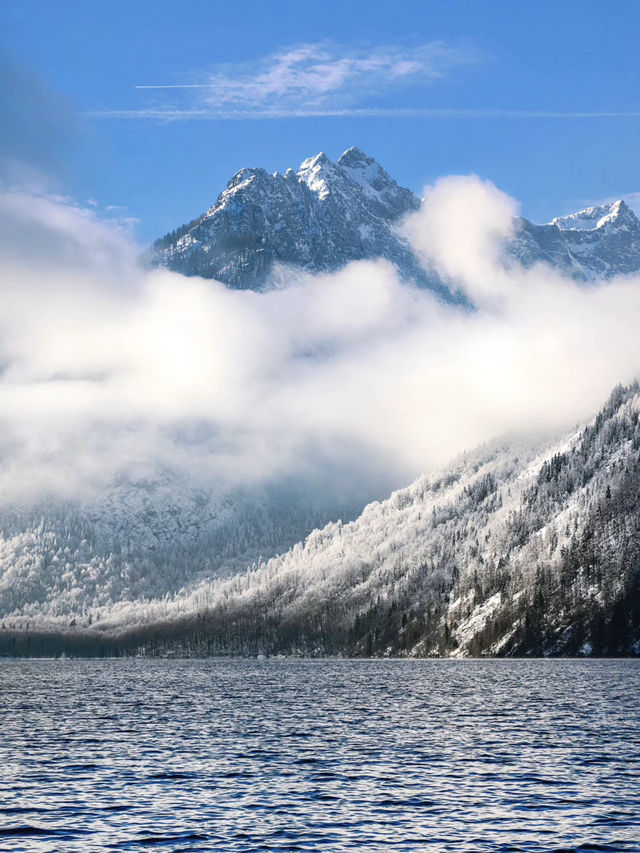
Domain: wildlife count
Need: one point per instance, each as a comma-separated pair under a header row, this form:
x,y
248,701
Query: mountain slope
x,y
516,549
513,550
598,242
146,539
319,218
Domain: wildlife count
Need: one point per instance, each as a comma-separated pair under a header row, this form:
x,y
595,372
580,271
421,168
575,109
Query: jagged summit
x,y
320,160
319,218
597,242
355,158
615,213
320,174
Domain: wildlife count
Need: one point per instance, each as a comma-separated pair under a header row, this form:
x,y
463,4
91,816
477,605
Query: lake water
x,y
240,755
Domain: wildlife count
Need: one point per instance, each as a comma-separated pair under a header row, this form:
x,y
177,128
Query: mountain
x,y
451,557
599,242
518,548
327,214
144,539
319,218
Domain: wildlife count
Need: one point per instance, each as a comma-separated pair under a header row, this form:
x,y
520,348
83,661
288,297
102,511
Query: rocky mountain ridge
x,y
598,242
327,214
319,218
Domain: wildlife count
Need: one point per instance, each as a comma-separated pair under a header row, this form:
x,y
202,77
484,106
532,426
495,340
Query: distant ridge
x,y
598,242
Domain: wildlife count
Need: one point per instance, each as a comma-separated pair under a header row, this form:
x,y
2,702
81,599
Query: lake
x,y
326,755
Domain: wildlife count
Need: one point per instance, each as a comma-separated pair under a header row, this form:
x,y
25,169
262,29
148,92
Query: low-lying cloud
x,y
110,370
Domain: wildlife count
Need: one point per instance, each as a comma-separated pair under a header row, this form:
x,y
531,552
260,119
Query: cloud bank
x,y
109,370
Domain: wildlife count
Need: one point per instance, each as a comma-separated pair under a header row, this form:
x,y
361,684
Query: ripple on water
x,y
319,756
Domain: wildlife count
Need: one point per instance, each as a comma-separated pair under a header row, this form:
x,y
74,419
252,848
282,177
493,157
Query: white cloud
x,y
309,78
107,368
159,112
460,229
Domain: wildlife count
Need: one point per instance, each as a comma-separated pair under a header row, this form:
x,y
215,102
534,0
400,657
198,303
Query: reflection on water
x,y
319,755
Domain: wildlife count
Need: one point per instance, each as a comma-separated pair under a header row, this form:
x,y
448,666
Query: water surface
x,y
233,755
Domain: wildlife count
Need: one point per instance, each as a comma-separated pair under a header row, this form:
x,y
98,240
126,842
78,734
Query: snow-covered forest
x,y
145,539
517,548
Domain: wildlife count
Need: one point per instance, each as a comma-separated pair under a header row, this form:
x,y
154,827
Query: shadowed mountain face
x,y
327,214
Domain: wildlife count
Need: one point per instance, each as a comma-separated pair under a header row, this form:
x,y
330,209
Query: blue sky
x,y
542,98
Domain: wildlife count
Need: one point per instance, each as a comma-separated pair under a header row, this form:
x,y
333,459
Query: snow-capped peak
x,y
592,218
599,242
354,158
240,181
364,170
373,179
319,159
314,172
319,218
327,213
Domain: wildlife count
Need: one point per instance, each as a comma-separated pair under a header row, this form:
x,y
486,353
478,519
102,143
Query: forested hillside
x,y
517,548
141,540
